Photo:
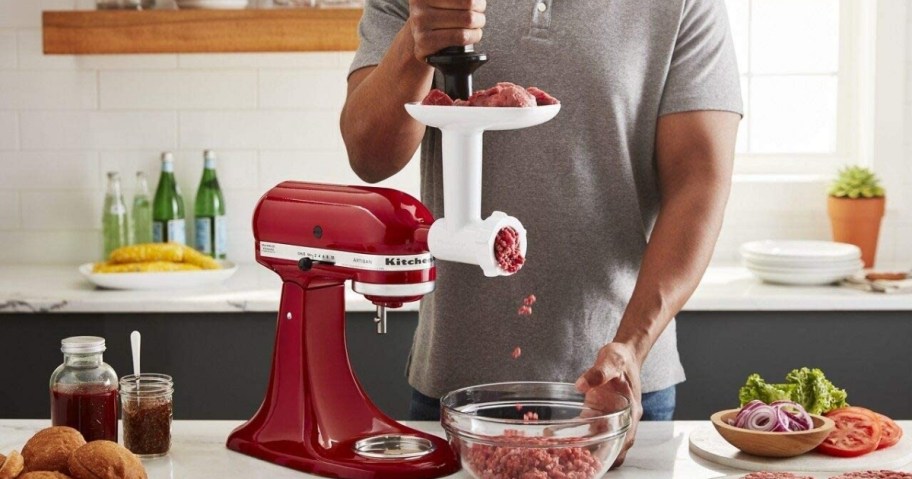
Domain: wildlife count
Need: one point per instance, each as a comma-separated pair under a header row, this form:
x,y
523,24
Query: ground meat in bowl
x,y
514,462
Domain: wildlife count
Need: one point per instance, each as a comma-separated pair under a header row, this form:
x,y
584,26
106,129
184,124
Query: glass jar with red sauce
x,y
84,390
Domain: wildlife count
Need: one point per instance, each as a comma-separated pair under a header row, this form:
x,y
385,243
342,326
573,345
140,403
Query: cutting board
x,y
706,443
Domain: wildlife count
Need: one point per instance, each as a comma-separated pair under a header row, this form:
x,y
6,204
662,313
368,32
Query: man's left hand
x,y
616,370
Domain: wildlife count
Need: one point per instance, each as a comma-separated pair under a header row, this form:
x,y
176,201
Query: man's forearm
x,y
676,257
379,134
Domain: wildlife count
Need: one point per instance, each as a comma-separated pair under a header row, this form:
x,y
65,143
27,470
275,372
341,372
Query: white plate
x,y
212,4
160,280
799,250
801,279
478,118
852,266
802,265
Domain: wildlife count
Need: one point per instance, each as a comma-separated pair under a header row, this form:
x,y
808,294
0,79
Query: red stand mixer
x,y
315,416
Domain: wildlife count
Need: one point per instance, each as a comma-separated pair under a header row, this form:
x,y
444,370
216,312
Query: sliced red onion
x,y
780,416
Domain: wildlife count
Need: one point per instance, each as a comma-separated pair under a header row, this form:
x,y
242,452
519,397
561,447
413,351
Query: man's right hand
x,y
439,24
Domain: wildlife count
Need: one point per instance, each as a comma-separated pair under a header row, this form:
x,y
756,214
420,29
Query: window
x,y
799,62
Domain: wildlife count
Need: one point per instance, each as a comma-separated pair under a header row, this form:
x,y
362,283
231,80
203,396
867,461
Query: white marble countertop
x,y
254,288
198,452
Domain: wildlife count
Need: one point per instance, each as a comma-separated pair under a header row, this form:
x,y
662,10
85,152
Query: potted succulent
x,y
856,205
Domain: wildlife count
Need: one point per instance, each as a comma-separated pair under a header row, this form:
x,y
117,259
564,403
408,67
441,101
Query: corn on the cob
x,y
143,267
194,257
148,252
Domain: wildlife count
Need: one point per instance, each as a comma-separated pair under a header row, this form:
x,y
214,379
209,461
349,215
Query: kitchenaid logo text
x,y
409,262
344,259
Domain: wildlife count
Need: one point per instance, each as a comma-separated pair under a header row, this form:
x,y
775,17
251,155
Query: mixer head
x,y
457,64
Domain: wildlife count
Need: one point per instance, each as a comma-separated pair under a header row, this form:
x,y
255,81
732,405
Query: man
x,y
622,193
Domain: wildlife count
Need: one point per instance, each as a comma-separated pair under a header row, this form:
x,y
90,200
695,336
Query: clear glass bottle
x,y
84,389
114,223
211,232
142,211
168,221
147,403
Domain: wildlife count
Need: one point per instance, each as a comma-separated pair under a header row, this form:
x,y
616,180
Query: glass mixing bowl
x,y
533,430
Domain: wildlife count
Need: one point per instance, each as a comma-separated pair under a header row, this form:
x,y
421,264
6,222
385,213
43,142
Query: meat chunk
x,y
503,94
437,97
542,97
774,475
875,475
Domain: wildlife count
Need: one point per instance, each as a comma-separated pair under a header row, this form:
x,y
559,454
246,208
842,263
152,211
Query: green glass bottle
x,y
211,226
142,211
168,224
114,224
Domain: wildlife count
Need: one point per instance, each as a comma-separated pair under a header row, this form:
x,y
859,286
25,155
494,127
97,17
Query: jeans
x,y
657,406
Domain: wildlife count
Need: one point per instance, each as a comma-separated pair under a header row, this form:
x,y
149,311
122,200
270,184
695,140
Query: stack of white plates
x,y
801,262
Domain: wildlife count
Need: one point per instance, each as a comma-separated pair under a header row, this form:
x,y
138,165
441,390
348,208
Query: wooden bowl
x,y
772,444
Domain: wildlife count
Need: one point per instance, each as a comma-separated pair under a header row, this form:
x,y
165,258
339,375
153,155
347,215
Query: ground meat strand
x,y
504,462
507,250
774,475
875,475
517,352
530,416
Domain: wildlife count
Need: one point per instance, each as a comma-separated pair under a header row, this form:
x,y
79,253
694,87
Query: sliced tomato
x,y
858,431
892,433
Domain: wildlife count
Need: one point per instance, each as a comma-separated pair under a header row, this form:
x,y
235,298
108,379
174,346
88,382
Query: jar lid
x,y
82,344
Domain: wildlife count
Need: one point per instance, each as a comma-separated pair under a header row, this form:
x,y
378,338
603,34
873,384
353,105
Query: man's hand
x,y
438,24
616,370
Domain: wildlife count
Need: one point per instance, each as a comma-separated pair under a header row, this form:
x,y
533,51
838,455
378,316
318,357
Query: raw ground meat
x,y
524,311
530,416
774,475
506,250
875,475
504,94
504,462
517,352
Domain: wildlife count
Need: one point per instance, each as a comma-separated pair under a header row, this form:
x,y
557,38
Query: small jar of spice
x,y
147,405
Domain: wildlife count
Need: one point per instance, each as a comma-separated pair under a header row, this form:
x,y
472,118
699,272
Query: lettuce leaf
x,y
805,386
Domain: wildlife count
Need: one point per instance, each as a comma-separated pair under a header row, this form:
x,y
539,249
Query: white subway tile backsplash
x,y
239,206
176,89
8,51
279,166
98,130
29,90
315,131
61,210
9,130
241,247
32,57
50,247
318,89
9,210
303,60
27,13
237,169
49,170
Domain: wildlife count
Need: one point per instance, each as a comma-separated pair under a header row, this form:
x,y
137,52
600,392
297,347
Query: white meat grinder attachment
x,y
461,235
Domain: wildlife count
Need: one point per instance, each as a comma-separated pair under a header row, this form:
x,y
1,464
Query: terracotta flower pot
x,y
857,221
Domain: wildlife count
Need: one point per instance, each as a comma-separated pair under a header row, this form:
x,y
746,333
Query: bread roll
x,y
12,466
49,449
105,460
44,475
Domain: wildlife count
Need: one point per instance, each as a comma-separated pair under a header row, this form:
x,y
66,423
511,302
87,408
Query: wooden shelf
x,y
200,31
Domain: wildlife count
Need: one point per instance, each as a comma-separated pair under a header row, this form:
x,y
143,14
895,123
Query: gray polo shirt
x,y
584,184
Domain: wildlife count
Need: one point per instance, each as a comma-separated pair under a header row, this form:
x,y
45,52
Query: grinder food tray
x,y
159,280
707,444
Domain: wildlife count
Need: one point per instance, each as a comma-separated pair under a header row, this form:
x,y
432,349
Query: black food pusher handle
x,y
457,65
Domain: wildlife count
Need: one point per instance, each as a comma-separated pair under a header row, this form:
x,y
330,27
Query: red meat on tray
x,y
504,94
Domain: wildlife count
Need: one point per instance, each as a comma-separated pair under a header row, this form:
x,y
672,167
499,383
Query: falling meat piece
x,y
524,311
503,94
529,300
519,407
530,416
517,352
437,97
